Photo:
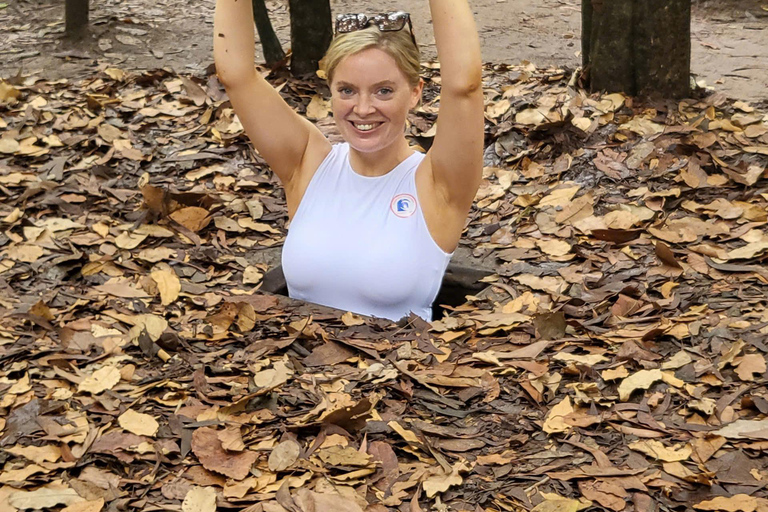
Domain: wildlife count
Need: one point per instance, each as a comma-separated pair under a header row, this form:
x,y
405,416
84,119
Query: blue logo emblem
x,y
403,205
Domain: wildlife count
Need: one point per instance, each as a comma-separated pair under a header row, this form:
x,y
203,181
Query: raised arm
x,y
280,135
456,156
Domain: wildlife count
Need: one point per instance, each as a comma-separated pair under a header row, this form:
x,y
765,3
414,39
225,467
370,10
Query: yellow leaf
x,y
350,319
555,420
153,325
9,146
554,247
128,241
157,254
20,475
550,284
497,109
115,73
406,434
556,503
168,283
749,365
252,275
12,217
582,123
101,380
27,253
86,506
658,451
640,380
343,456
642,126
318,108
273,377
38,454
737,503
138,423
679,360
8,93
153,230
616,373
586,359
44,498
260,227
611,102
200,499
21,386
442,482
531,116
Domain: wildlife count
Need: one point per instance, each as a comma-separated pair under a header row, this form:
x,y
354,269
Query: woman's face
x,y
371,98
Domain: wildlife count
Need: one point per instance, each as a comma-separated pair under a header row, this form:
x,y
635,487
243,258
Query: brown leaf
x,y
329,353
232,439
665,254
314,501
194,91
607,494
704,448
211,454
45,497
284,455
192,217
749,365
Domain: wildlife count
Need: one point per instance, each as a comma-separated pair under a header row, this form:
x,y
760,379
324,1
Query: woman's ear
x,y
416,93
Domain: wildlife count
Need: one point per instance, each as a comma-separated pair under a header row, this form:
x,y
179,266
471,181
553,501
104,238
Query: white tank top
x,y
361,243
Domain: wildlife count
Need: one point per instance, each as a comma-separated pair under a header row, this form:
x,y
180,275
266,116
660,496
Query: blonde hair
x,y
397,44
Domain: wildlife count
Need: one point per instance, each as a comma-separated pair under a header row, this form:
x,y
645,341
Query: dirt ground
x,y
730,37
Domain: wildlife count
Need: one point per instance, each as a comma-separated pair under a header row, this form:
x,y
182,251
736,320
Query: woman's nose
x,y
364,106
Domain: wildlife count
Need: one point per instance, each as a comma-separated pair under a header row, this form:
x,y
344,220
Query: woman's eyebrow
x,y
341,83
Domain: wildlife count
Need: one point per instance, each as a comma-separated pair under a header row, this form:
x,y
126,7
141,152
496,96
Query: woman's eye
x,y
346,91
386,91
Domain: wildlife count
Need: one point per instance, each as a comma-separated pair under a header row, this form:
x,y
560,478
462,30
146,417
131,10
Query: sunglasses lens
x,y
349,23
391,22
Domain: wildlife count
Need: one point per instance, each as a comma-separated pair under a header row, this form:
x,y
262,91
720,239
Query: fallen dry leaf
x,y
138,423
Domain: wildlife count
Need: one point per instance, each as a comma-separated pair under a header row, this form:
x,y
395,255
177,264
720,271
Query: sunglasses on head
x,y
388,22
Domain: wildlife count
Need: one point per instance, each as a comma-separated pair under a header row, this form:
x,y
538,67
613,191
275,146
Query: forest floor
x,y
729,37
615,361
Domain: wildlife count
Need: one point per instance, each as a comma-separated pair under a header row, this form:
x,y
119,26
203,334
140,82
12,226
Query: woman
x,y
373,223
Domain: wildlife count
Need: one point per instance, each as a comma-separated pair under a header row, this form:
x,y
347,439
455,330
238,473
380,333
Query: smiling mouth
x,y
365,127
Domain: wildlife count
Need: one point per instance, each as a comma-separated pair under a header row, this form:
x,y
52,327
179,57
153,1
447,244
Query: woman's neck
x,y
380,162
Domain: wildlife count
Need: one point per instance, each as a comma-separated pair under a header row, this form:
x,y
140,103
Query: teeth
x,y
364,127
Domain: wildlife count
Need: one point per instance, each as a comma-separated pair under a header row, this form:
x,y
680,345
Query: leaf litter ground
x,y
616,361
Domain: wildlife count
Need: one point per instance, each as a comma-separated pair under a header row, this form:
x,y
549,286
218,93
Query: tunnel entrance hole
x,y
458,282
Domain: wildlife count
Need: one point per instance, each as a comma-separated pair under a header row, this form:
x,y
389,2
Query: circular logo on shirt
x,y
403,205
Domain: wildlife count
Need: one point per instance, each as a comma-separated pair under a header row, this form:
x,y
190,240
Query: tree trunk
x,y
311,34
663,62
639,47
610,58
273,51
76,16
